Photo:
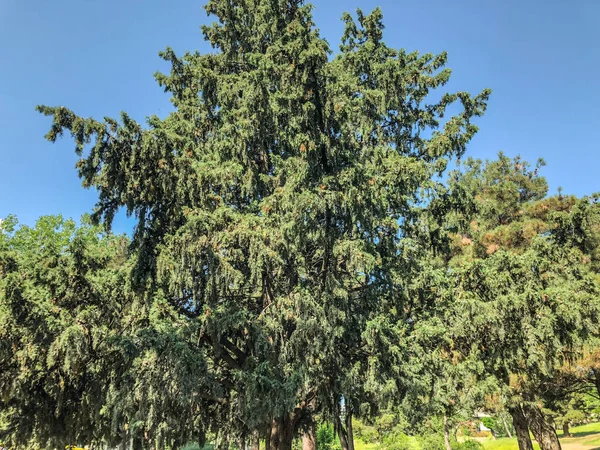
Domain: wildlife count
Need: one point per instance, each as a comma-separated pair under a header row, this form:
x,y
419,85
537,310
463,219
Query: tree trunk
x,y
350,430
542,431
282,433
565,428
506,427
447,433
255,439
309,437
268,437
520,424
597,379
345,433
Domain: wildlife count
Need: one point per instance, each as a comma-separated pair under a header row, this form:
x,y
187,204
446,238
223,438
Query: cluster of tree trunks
x,y
529,417
280,433
344,431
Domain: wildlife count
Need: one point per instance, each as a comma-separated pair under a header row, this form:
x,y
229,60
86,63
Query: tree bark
x,y
506,427
282,433
597,379
350,430
309,437
520,424
268,437
565,428
255,440
344,431
447,433
543,432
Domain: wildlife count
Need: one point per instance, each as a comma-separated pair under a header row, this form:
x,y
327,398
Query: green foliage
x,y
83,358
365,432
495,424
433,441
574,409
397,441
469,445
490,422
62,292
384,424
327,438
281,230
525,291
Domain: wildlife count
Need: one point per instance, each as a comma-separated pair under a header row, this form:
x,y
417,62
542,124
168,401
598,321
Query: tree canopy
x,y
524,285
275,206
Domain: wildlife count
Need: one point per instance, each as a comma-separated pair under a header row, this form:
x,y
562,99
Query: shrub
x,y
469,445
326,438
396,441
364,432
432,442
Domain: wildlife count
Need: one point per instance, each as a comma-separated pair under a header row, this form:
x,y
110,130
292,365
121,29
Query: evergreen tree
x,y
274,205
83,358
525,293
61,290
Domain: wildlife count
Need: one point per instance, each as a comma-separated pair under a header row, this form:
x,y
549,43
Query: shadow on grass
x,y
579,434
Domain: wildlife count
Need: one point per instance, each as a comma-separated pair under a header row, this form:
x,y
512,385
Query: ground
x,y
586,437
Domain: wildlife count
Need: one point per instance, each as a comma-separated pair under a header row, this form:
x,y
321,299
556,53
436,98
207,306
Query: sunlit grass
x,y
583,435
504,444
360,445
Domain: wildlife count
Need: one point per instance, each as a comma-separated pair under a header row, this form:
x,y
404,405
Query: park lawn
x,y
360,445
585,435
504,444
590,428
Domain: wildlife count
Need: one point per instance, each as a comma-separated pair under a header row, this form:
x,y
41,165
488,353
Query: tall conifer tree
x,y
275,205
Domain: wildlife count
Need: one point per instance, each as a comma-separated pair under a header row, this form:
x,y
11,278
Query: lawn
x,y
505,444
586,437
360,445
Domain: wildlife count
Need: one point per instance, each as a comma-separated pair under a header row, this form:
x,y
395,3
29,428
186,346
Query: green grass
x,y
360,445
588,435
584,430
505,444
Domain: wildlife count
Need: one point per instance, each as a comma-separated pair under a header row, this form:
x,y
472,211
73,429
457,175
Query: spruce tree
x,y
274,205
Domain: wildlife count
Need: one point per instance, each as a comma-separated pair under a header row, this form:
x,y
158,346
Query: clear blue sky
x,y
540,57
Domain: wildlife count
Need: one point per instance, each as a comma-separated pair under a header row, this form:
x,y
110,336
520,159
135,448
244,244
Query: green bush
x,y
490,423
366,433
469,445
396,441
432,442
327,438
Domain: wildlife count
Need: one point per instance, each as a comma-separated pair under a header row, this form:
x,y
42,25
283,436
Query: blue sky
x,y
540,57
